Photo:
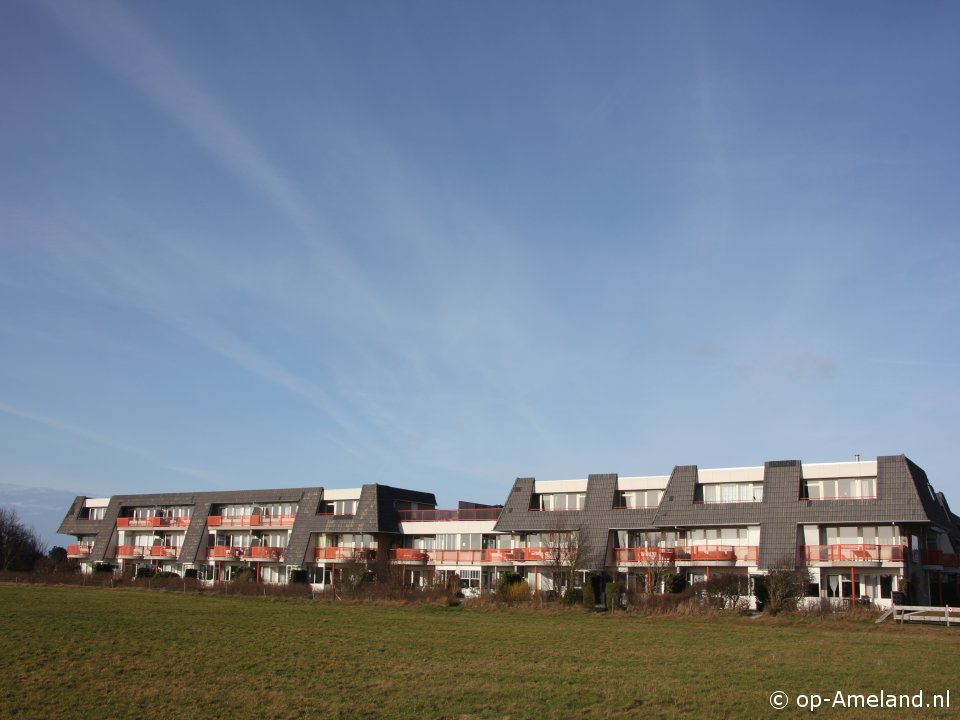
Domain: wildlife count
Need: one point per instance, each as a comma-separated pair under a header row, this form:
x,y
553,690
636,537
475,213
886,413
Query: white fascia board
x,y
825,471
730,475
342,494
559,486
448,527
653,482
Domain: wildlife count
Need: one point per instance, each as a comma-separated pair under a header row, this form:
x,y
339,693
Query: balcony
x,y
852,553
408,555
344,554
265,552
152,522
250,520
225,552
940,558
79,551
160,551
726,554
645,555
129,551
491,513
153,552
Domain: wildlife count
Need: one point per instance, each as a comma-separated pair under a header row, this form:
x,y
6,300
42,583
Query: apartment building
x,y
865,530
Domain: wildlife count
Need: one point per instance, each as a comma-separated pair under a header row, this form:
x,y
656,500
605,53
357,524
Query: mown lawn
x,y
72,652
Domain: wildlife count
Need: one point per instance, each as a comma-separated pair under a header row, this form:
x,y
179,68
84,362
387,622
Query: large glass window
x,y
729,492
839,488
562,501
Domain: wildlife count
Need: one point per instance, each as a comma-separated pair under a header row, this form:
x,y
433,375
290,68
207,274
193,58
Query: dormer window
x,y
839,489
638,498
558,501
728,492
338,507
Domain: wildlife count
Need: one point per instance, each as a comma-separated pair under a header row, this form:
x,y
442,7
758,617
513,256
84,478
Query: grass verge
x,y
117,653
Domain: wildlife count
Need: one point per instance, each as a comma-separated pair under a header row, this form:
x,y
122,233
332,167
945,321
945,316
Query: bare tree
x,y
564,552
20,546
783,587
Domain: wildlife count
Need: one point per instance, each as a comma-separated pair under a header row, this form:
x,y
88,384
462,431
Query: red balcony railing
x,y
458,557
147,551
265,552
711,553
649,555
250,520
160,551
152,522
938,557
225,552
346,554
408,555
847,553
79,551
491,513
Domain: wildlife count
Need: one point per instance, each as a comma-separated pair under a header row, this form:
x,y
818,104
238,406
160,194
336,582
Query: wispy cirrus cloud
x,y
85,434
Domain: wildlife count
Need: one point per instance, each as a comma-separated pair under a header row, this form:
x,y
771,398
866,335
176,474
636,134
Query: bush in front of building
x,y
614,594
589,597
782,588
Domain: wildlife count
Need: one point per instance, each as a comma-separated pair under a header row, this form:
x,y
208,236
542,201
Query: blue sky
x,y
443,245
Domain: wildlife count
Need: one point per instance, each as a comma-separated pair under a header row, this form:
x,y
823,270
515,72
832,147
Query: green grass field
x,y
72,652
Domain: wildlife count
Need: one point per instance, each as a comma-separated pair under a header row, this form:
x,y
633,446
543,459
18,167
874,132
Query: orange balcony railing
x,y
847,553
345,554
129,551
152,522
147,551
408,555
710,553
225,552
160,551
938,557
79,551
265,552
648,555
491,513
250,520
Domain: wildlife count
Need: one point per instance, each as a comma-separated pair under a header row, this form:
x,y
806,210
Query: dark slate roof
x,y
903,496
376,513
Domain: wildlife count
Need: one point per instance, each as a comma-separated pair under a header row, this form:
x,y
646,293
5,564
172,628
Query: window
x,y
638,498
94,513
561,501
728,492
336,507
839,489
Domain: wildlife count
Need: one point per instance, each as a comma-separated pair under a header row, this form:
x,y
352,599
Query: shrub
x,y
614,593
506,580
518,592
727,590
782,588
573,596
589,598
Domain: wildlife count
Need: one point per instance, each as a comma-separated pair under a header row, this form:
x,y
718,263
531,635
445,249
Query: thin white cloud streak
x,y
479,331
84,434
124,47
